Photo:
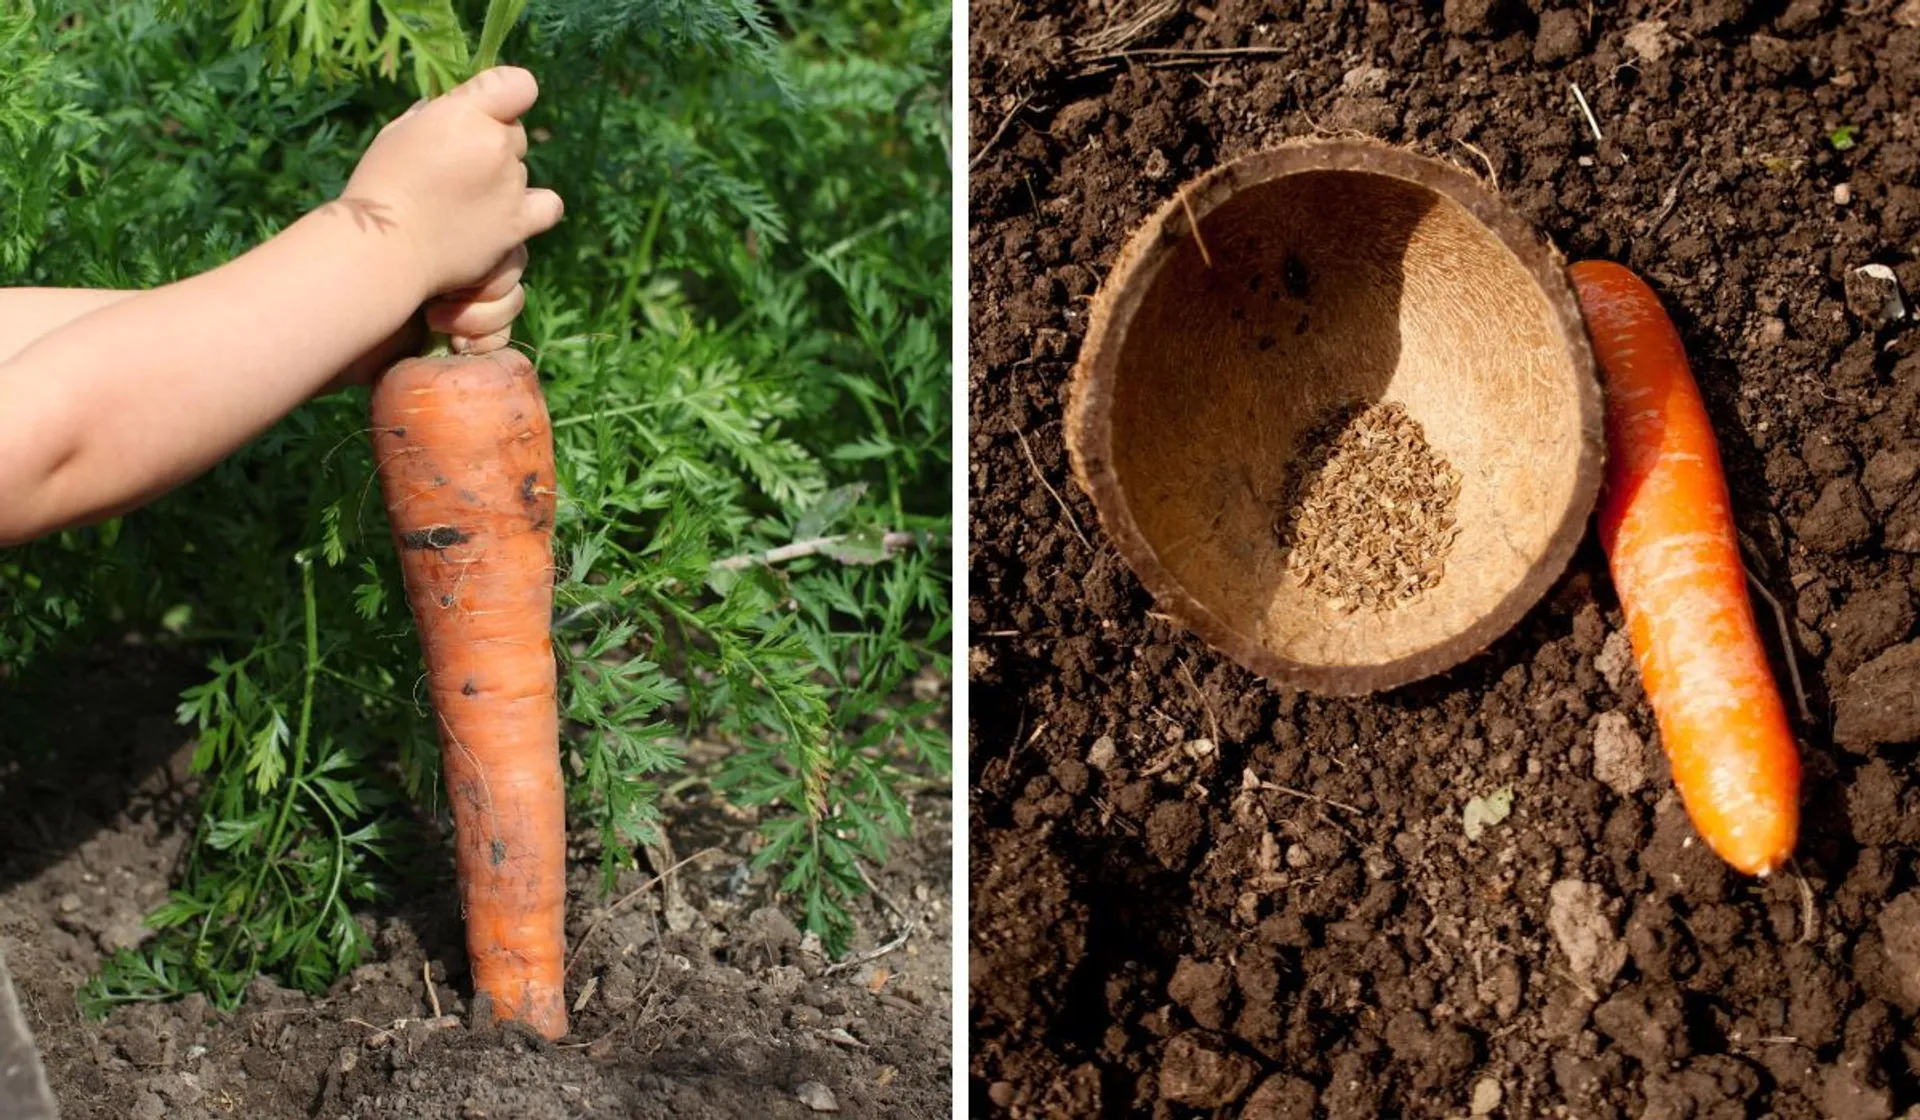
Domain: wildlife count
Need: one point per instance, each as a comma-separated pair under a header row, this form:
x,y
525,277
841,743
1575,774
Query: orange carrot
x,y
1666,522
465,458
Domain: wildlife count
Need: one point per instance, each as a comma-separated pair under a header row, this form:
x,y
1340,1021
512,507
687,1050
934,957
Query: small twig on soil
x,y
885,898
1058,500
890,543
1305,796
1122,33
1809,914
1021,740
1343,830
383,1035
624,899
1005,762
433,993
1492,175
1108,815
1672,198
1586,989
594,1048
1186,54
1588,110
1553,969
1005,123
1167,759
871,955
839,1037
1213,722
907,924
1193,224
1786,643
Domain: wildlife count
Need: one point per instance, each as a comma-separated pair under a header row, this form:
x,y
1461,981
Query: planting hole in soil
x,y
1342,309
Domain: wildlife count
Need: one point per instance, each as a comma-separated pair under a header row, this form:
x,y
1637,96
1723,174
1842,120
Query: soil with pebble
x,y
1195,894
702,1001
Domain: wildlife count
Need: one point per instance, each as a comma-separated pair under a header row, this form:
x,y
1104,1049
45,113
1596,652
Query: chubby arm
x,y
28,313
110,399
142,392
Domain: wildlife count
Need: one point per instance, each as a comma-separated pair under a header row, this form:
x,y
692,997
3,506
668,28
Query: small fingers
x,y
503,279
504,93
542,211
497,283
476,318
517,140
483,344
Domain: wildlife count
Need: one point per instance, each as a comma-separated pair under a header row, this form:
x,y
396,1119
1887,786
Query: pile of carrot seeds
x,y
1369,518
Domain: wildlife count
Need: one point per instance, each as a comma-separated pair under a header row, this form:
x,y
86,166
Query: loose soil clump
x,y
1216,897
698,1001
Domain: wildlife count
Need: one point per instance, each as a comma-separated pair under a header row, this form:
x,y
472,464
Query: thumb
x,y
504,93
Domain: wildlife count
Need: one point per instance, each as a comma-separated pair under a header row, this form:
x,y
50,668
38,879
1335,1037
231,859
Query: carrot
x,y
465,459
1666,522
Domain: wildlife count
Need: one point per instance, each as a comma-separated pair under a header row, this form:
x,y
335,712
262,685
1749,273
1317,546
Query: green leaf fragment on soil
x,y
1484,812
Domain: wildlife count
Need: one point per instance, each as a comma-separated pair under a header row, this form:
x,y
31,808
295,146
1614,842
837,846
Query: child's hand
x,y
448,175
480,319
477,320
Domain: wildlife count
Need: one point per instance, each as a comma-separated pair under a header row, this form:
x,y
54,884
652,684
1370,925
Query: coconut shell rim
x,y
1090,402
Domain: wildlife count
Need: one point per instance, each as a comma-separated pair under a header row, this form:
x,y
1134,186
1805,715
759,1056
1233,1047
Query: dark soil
x,y
1195,893
705,1002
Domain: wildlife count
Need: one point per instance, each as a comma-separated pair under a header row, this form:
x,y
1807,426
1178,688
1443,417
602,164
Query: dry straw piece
x,y
1351,284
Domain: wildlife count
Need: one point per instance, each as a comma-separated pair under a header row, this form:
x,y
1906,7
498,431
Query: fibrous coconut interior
x,y
1320,292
